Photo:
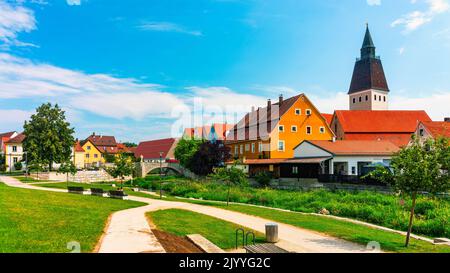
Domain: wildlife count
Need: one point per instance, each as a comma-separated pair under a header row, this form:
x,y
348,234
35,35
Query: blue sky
x,y
130,68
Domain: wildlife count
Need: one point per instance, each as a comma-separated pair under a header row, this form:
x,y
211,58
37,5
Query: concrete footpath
x,y
129,231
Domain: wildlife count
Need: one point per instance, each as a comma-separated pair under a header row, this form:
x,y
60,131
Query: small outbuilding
x,y
345,158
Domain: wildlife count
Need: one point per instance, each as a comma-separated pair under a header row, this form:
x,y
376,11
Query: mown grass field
x,y
34,221
183,222
432,215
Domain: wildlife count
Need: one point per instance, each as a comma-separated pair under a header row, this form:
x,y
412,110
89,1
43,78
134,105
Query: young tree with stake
x,y
419,167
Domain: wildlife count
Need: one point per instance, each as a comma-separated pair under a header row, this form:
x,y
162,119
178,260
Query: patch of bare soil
x,y
175,244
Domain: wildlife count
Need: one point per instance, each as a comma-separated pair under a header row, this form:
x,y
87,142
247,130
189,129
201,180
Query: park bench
x,y
97,192
264,248
117,194
76,190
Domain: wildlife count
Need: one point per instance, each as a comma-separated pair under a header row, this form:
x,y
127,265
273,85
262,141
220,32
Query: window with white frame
x,y
281,128
260,147
294,128
253,147
281,146
241,149
308,130
298,111
14,149
308,112
247,147
236,150
322,130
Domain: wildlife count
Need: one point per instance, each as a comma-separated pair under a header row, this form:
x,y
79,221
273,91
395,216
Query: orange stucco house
x,y
264,140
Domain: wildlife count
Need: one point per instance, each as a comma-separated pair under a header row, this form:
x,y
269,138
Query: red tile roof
x,y
151,149
328,117
99,140
78,148
380,121
17,139
7,135
438,128
399,139
356,147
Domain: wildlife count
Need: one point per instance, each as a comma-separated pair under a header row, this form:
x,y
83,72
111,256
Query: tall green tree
x,y
49,137
420,167
123,166
186,149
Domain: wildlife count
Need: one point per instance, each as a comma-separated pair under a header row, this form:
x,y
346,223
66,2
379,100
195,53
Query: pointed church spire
x,y
368,47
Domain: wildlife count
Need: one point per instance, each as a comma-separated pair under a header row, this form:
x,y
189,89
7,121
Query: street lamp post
x,y
160,174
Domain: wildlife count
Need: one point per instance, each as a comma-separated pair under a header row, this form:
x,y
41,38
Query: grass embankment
x,y
432,215
182,223
44,222
29,179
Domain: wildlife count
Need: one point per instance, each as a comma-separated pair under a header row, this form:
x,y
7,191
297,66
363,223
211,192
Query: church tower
x,y
369,89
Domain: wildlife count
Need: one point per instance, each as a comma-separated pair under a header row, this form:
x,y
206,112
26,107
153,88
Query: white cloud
x,y
101,94
416,19
13,20
73,2
401,50
374,2
135,105
167,27
13,119
436,105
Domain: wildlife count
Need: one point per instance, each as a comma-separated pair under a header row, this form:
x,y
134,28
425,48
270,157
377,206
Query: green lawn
x,y
105,186
390,242
183,222
44,222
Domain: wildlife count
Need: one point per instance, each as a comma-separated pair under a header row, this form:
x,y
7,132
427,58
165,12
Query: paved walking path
x,y
129,231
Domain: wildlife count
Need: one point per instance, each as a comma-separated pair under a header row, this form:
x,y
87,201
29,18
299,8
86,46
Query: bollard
x,y
272,233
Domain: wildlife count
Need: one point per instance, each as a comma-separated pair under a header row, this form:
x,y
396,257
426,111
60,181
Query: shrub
x,y
18,166
263,178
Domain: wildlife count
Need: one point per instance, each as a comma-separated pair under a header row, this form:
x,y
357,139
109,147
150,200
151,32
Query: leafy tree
x,y
36,166
109,158
130,144
420,167
210,155
185,150
49,136
67,168
123,166
230,176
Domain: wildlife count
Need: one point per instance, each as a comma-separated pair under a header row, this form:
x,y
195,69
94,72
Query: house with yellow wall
x,y
92,155
264,140
78,155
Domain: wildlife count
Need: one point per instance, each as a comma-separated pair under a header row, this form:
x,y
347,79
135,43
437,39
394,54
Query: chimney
x,y
447,119
269,104
93,133
280,99
253,109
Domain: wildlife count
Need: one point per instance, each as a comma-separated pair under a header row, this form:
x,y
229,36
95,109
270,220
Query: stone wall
x,y
80,176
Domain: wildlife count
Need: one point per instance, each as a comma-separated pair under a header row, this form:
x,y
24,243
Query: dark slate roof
x,y
368,74
368,42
